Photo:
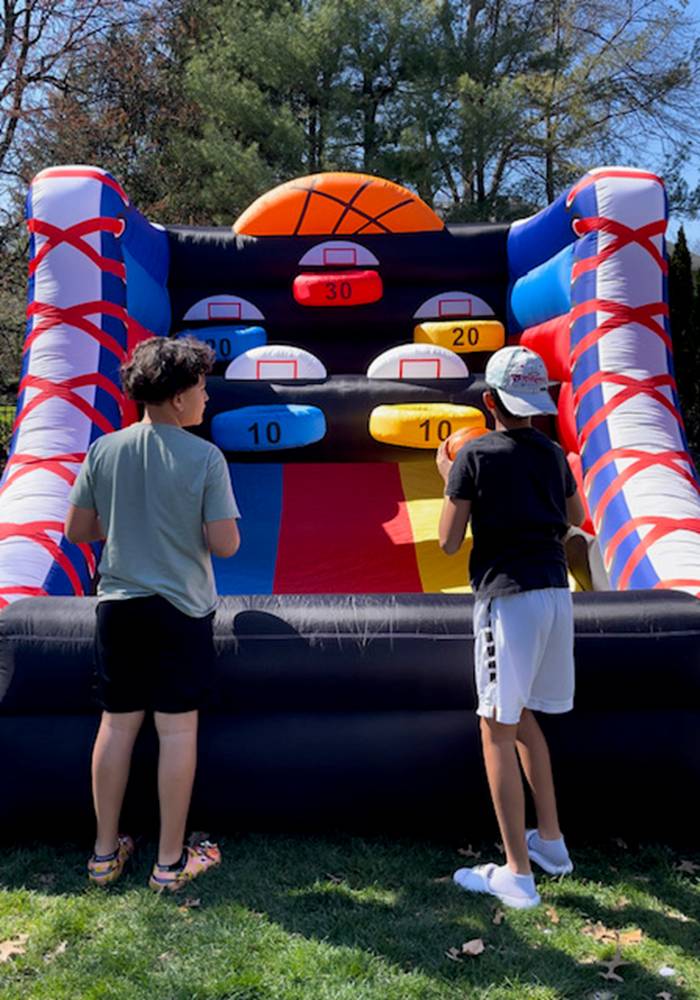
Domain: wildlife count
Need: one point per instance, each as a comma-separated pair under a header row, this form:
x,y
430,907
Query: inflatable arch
x,y
351,328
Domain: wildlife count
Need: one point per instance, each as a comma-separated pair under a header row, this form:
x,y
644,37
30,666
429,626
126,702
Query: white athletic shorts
x,y
524,653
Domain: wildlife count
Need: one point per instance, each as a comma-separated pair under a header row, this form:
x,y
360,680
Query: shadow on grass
x,y
385,899
387,902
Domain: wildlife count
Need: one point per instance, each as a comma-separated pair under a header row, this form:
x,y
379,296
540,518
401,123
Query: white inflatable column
x,y
69,392
639,479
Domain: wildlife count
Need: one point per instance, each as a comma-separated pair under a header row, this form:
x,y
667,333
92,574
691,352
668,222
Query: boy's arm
x,y
455,513
222,537
454,518
83,525
575,511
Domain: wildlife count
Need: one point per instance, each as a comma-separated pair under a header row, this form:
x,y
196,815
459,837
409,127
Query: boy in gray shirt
x,y
162,500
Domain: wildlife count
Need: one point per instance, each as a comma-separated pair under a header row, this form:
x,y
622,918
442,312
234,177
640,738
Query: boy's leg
x,y
111,758
507,793
534,756
177,761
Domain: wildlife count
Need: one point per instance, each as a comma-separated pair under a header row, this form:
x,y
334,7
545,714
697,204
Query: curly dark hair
x,y
160,367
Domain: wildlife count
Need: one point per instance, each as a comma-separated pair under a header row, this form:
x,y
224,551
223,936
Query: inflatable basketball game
x,y
351,328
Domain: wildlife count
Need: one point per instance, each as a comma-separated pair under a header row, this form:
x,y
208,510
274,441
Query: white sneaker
x,y
517,891
551,855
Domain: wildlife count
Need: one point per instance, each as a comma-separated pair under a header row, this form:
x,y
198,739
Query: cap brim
x,y
528,404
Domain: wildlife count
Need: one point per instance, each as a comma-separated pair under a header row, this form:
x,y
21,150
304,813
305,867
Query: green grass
x,y
342,919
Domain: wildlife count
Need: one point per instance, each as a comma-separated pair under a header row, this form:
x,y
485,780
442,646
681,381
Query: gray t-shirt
x,y
154,486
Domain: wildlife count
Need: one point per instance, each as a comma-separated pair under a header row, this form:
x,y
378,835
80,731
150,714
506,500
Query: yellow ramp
x,y
423,490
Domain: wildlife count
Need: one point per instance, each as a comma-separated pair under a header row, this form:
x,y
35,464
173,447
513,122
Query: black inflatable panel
x,y
414,267
357,712
346,402
339,653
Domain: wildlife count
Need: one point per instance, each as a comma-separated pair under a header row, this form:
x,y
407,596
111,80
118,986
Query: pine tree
x,y
685,335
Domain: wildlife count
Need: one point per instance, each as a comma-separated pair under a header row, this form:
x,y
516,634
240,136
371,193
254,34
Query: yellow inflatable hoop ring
x,y
463,336
421,425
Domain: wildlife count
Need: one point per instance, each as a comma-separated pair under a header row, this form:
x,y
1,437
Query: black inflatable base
x,y
357,714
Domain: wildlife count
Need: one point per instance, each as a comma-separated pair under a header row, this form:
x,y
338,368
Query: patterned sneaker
x,y
106,869
194,862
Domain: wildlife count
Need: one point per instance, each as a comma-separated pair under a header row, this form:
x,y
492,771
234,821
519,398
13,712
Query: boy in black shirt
x,y
517,487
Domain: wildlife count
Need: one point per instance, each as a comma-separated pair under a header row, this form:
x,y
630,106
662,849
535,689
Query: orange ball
x,y
459,439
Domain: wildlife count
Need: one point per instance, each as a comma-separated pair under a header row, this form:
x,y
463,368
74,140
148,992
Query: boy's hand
x,y
443,461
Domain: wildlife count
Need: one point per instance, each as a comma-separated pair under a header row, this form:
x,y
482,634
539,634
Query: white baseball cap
x,y
520,378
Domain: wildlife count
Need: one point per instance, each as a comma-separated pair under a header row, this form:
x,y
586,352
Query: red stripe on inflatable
x,y
612,172
25,591
55,172
73,235
681,582
660,527
64,390
620,315
33,463
633,387
645,460
624,235
51,316
345,529
36,531
21,592
89,557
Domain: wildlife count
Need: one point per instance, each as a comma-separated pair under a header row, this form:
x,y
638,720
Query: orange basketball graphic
x,y
337,204
459,438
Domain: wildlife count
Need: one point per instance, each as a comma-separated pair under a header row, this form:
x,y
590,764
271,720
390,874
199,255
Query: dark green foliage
x,y
684,303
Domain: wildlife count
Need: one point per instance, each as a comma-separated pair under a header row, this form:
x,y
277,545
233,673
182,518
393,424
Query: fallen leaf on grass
x,y
630,937
46,880
552,914
467,852
165,957
664,996
13,946
499,847
688,867
470,948
677,915
611,966
641,878
58,950
442,878
498,917
474,947
189,904
619,842
621,903
599,932
335,879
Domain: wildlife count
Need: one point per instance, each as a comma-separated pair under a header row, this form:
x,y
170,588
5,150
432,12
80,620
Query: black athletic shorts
x,y
151,656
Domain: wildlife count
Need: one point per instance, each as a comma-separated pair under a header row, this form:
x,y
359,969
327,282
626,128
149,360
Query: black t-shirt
x,y
517,482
